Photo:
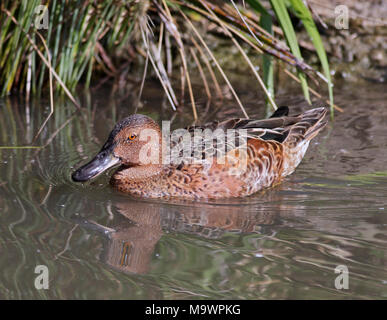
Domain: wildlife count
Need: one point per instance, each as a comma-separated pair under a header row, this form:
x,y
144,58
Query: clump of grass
x,y
81,37
90,38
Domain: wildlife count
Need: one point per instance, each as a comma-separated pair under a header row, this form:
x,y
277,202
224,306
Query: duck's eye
x,y
132,137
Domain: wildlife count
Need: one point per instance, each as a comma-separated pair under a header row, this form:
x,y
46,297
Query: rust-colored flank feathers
x,y
273,149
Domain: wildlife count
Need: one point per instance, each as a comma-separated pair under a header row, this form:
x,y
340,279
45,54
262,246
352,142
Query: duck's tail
x,y
307,127
309,124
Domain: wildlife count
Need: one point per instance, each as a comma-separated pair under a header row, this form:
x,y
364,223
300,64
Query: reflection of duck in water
x,y
131,245
273,149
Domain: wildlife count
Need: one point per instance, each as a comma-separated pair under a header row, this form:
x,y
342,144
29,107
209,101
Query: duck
x,y
155,163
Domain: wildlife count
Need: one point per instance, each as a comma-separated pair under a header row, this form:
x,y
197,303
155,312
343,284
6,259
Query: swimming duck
x,y
270,149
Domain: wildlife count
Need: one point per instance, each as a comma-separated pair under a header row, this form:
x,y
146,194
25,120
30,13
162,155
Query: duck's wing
x,y
279,127
273,128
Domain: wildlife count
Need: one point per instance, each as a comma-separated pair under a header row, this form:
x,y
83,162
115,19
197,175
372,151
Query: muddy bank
x,y
357,49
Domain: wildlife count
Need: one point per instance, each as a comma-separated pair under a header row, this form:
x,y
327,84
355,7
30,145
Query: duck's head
x,y
134,141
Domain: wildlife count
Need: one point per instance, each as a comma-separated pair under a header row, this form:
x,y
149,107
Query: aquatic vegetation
x,y
67,43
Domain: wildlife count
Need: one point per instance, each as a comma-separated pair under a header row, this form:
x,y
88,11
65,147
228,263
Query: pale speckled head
x,y
134,141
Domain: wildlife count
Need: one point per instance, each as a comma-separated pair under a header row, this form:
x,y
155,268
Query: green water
x,y
281,244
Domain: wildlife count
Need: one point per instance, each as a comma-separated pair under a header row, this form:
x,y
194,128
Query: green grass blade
x,y
268,65
305,16
283,17
266,23
256,5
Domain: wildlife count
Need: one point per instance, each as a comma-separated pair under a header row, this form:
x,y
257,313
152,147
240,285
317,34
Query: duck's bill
x,y
102,162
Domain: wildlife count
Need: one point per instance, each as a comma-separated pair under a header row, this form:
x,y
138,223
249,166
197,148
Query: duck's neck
x,y
138,173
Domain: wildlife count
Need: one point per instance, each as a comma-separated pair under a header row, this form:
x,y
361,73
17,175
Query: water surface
x,y
284,243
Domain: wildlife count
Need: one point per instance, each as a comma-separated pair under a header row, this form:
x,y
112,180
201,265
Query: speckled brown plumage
x,y
274,148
